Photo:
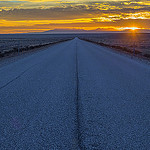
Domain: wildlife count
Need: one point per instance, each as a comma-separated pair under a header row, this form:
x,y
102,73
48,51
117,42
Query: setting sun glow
x,y
134,28
130,28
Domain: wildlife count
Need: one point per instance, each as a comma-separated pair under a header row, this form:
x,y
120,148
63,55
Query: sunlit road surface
x,y
72,96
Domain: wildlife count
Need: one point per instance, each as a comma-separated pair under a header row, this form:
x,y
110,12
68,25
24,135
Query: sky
x,y
23,16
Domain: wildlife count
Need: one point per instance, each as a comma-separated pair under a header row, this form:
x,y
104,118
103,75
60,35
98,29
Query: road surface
x,y
75,95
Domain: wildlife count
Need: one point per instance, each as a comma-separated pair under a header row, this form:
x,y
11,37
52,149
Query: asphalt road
x,y
75,95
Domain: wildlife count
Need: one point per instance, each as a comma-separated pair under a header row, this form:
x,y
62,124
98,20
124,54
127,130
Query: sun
x,y
134,28
130,28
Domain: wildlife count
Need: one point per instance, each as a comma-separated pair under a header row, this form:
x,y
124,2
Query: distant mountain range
x,y
72,31
68,31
